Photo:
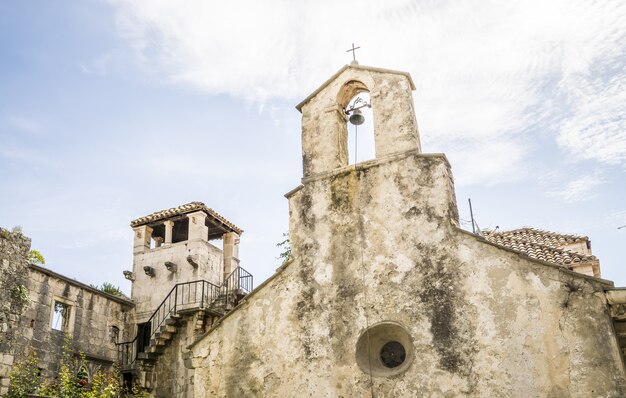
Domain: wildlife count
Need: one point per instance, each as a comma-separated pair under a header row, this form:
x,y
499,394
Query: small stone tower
x,y
173,246
181,284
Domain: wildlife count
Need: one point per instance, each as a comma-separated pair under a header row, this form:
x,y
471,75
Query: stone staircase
x,y
199,302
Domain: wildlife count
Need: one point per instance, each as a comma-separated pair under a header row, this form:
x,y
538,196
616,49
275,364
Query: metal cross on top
x,y
353,49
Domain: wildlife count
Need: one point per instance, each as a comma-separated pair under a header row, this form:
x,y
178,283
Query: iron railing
x,y
183,296
194,295
239,281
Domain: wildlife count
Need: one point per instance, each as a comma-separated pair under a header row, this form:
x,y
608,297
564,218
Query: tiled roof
x,y
184,209
538,251
545,238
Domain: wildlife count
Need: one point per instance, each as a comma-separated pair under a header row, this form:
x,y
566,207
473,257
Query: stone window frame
x,y
371,342
115,332
69,327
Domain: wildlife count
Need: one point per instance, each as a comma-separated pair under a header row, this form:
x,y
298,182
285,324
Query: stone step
x,y
147,356
163,336
156,349
171,329
157,342
172,322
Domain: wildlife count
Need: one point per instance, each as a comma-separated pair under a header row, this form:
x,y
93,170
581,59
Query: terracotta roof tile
x,y
184,209
537,251
545,238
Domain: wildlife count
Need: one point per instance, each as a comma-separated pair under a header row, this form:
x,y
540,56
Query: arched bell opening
x,y
354,99
360,125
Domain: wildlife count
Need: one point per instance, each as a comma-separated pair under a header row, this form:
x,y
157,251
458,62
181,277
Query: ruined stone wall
x,y
14,248
92,316
378,244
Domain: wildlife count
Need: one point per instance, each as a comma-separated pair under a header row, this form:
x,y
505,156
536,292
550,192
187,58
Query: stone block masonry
x,y
31,298
14,249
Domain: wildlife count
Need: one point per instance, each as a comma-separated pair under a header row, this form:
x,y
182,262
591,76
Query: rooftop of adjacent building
x,y
561,249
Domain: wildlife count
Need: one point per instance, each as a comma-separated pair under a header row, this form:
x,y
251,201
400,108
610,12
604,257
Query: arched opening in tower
x,y
360,136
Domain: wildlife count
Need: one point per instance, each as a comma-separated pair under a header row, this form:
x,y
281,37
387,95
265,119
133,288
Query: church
x,y
383,294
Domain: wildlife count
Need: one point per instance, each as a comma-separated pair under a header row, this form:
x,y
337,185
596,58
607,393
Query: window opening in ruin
x,y
180,231
360,137
392,354
61,316
114,334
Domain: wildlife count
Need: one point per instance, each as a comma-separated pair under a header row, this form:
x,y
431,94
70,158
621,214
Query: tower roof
x,y
212,216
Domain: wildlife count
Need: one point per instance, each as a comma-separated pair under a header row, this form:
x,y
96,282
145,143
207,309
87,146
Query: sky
x,y
113,109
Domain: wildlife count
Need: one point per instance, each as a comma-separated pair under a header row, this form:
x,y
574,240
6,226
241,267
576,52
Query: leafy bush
x,y
111,289
24,377
71,382
35,257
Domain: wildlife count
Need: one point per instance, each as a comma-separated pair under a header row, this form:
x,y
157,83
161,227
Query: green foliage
x,y
71,381
108,288
35,257
20,292
48,388
111,289
285,245
137,392
105,385
24,377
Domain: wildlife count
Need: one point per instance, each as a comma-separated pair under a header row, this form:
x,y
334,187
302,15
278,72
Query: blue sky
x,y
110,110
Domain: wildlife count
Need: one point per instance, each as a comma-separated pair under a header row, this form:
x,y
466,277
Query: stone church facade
x,y
384,295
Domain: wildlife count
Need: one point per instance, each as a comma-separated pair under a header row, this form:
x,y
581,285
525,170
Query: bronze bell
x,y
357,117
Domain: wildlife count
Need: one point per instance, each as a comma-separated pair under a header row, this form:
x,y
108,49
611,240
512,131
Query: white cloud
x,y
597,127
580,189
486,162
485,70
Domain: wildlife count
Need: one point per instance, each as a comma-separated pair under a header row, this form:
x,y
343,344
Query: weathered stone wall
x,y
92,315
25,325
380,243
149,291
171,378
14,248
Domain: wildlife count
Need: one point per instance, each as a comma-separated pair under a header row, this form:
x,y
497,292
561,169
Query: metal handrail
x,y
204,292
239,282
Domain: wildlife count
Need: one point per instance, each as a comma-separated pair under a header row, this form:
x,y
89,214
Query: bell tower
x,y
324,130
381,207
